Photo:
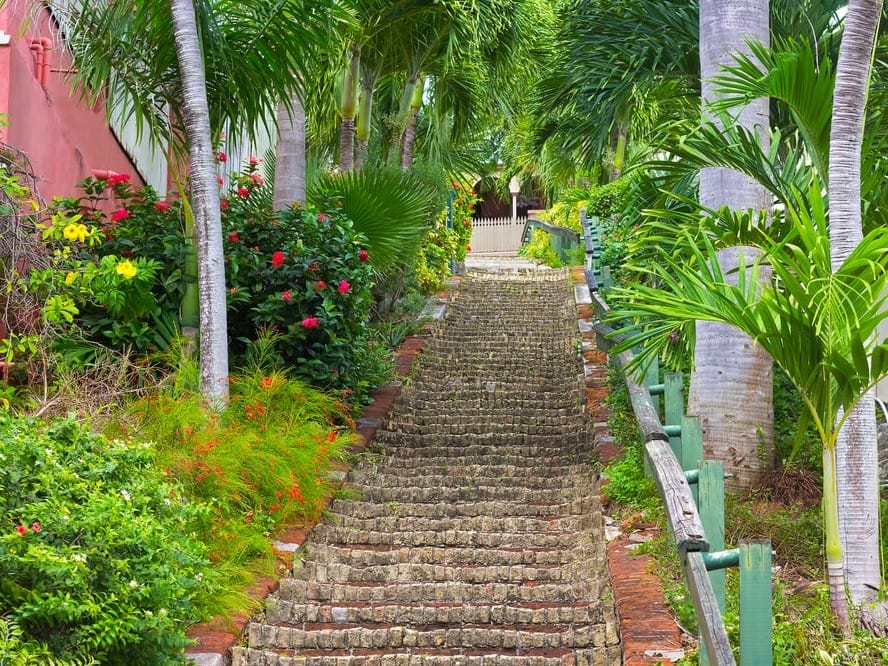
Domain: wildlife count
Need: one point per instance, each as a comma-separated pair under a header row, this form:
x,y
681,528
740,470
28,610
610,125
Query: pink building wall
x,y
63,137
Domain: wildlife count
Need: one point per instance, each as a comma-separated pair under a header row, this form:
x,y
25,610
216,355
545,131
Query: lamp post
x,y
514,190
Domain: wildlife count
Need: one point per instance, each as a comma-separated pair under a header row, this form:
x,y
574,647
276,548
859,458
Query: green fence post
x,y
755,603
691,447
673,410
711,492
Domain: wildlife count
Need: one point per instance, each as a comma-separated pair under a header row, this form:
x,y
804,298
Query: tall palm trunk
x,y
349,107
409,137
289,170
205,204
731,383
857,483
365,117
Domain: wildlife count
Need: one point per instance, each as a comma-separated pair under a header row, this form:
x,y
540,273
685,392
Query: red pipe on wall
x,y
37,48
46,43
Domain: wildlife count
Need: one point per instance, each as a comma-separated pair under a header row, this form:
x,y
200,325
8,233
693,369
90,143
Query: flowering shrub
x,y
259,463
433,264
121,279
95,557
464,202
305,275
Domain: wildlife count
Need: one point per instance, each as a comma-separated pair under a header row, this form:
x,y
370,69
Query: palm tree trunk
x,y
205,204
289,170
349,107
730,387
410,130
856,450
362,131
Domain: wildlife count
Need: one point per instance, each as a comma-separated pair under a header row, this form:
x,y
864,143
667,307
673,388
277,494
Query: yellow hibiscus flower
x,y
126,270
75,232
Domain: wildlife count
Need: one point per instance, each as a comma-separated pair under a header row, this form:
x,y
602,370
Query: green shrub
x,y
96,560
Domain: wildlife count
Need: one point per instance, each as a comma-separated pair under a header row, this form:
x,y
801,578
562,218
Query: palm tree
x,y
816,322
205,206
857,481
731,386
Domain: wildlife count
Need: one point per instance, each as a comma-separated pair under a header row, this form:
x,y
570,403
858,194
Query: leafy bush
x,y
433,264
463,205
122,279
540,249
96,561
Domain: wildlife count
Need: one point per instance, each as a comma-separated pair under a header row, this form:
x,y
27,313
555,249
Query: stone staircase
x,y
473,535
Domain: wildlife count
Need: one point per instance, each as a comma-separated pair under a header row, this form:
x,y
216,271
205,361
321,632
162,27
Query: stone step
x,y
280,611
418,538
509,524
545,428
507,443
297,589
475,638
610,656
501,509
384,556
435,457
460,478
470,492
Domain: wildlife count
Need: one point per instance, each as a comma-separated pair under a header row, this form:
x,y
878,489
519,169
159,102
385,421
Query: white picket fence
x,y
497,234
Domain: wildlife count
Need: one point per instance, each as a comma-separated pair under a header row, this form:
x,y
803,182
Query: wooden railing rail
x,y
692,492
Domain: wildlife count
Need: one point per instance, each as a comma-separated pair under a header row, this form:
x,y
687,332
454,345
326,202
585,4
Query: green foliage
x,y
433,264
259,463
392,209
628,485
96,560
540,249
795,437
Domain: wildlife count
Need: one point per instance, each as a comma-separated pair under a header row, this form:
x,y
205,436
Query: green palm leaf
x,y
392,208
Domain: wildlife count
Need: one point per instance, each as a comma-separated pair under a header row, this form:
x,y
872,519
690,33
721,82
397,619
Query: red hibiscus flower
x,y
254,160
162,206
363,255
321,217
35,526
277,259
224,204
311,322
344,287
222,157
118,178
287,296
119,215
317,285
243,192
219,179
468,248
233,237
314,267
257,178
21,529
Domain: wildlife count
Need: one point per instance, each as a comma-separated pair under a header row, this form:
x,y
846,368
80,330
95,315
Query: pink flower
x,y
222,157
257,178
287,296
344,287
119,215
232,291
310,322
243,192
233,237
35,526
118,178
277,259
224,204
363,255
219,179
321,217
317,285
254,160
162,206
22,530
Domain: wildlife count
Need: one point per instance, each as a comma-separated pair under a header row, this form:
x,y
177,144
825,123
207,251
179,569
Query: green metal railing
x,y
693,493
